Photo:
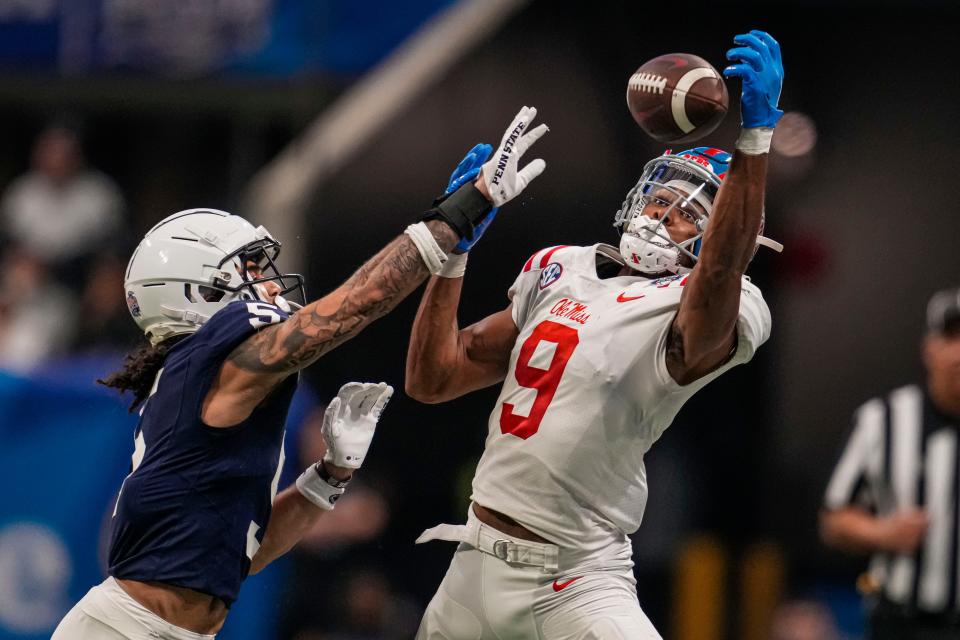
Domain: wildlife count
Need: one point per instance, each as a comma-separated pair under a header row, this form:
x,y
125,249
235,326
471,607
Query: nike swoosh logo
x,y
623,298
557,586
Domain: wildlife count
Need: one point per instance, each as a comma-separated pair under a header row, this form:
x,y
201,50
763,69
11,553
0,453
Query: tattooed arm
x,y
267,357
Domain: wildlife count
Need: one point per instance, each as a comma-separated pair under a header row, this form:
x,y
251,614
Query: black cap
x,y
943,312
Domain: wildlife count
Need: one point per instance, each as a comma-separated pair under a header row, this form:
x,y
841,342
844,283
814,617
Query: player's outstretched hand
x,y
469,167
756,61
467,171
350,420
501,175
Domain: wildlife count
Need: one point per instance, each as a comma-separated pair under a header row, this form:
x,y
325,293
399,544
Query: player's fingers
x,y
755,43
385,392
468,162
463,179
357,401
477,149
771,43
347,395
483,152
524,119
527,140
369,398
333,406
749,56
743,71
348,390
529,172
520,118
464,165
527,119
330,414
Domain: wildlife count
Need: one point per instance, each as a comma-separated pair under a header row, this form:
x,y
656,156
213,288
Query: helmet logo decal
x,y
133,304
550,274
703,162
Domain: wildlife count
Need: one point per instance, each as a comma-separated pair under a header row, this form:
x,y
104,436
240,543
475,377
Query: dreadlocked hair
x,y
140,370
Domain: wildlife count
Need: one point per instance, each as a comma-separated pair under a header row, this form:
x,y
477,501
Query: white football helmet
x,y
192,264
688,182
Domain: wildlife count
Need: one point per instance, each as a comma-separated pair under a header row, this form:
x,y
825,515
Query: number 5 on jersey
x,y
262,314
544,381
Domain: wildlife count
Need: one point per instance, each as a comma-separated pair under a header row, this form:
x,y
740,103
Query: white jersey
x,y
586,394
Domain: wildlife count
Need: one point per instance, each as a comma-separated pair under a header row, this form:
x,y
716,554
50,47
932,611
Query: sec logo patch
x,y
133,304
550,274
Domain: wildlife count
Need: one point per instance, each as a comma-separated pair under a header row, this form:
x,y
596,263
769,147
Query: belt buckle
x,y
501,549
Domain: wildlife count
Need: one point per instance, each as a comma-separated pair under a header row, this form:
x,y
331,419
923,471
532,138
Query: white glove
x,y
500,174
350,420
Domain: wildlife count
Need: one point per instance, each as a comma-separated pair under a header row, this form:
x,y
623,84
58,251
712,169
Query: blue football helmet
x,y
686,183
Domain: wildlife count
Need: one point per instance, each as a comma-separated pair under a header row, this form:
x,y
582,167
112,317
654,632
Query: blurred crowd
x,y
65,235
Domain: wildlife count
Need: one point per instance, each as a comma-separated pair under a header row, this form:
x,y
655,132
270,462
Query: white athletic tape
x,y
455,266
317,490
755,142
433,256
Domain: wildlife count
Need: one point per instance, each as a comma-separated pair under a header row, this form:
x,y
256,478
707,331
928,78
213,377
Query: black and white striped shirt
x,y
903,454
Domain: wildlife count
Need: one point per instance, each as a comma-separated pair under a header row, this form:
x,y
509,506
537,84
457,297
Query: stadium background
x,y
183,104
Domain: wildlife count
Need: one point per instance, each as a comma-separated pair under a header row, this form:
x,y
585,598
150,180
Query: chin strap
x,y
769,243
192,317
762,241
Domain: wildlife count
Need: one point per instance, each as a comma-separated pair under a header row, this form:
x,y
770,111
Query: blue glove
x,y
469,167
465,245
467,171
758,65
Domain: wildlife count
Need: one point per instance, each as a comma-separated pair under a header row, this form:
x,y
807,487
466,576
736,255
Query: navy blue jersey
x,y
196,504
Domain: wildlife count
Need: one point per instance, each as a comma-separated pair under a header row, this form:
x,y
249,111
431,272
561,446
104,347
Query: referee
x,y
894,493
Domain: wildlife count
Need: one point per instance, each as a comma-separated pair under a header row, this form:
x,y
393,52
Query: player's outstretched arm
x,y
703,335
259,363
348,427
443,361
371,292
267,357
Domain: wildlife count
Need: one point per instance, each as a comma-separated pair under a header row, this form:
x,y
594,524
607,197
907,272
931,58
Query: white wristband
x,y
755,142
455,266
317,490
433,256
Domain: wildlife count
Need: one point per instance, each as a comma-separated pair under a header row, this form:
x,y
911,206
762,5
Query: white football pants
x,y
107,612
502,588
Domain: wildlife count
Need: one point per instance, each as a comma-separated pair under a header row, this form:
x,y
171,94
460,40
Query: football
x,y
677,97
